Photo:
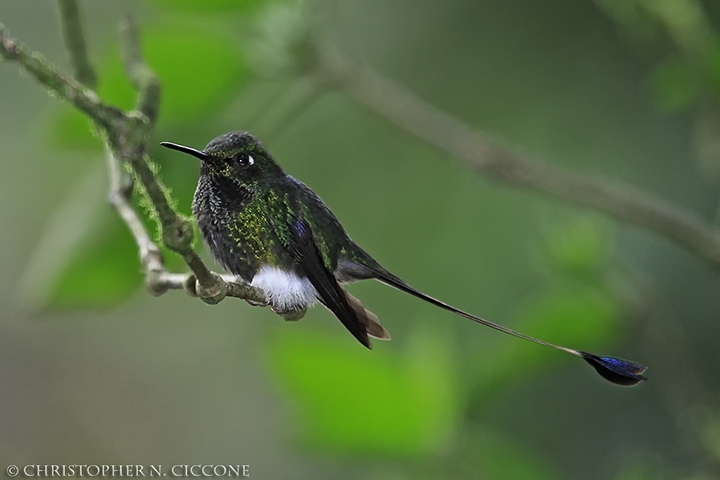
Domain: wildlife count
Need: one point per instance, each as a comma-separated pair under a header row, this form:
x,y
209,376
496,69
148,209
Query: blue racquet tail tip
x,y
616,370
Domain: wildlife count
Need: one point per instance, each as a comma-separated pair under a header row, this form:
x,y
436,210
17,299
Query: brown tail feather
x,y
368,319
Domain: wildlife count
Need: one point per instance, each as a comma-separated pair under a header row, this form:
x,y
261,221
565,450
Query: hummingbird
x,y
273,232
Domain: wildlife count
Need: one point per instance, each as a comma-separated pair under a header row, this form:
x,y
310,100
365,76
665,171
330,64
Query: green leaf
x,y
351,400
104,272
211,6
714,67
580,246
675,86
199,70
72,129
501,458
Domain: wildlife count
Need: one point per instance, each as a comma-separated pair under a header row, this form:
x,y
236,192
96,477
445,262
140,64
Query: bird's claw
x,y
292,314
257,304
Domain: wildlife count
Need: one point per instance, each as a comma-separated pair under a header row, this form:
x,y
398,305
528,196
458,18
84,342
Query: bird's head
x,y
236,155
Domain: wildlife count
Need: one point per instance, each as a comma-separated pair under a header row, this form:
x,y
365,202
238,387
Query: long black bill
x,y
184,149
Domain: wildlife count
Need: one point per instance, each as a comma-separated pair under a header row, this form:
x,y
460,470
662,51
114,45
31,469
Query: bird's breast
x,y
232,242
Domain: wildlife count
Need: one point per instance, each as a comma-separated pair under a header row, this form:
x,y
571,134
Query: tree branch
x,y
48,75
126,137
140,74
157,279
486,156
151,257
72,30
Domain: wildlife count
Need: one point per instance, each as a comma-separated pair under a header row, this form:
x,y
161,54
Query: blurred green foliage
x,y
103,272
361,403
580,247
199,70
440,401
211,6
569,316
675,86
681,38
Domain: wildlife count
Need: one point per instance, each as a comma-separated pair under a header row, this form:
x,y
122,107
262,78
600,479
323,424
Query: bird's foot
x,y
257,304
293,314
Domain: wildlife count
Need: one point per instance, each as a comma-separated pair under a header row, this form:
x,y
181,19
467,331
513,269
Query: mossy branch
x,y
126,136
140,74
74,36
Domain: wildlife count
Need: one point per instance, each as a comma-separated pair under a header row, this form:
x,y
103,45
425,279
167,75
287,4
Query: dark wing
x,y
301,247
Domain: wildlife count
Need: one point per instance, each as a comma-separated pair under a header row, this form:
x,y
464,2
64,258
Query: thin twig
x,y
298,99
48,75
72,30
140,74
151,257
180,281
488,157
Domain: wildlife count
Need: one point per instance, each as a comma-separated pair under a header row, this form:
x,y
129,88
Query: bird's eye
x,y
245,160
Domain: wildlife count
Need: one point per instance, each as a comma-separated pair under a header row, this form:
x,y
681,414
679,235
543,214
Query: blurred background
x,y
94,370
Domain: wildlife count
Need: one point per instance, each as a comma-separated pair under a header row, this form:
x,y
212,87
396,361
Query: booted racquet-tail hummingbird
x,y
275,233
